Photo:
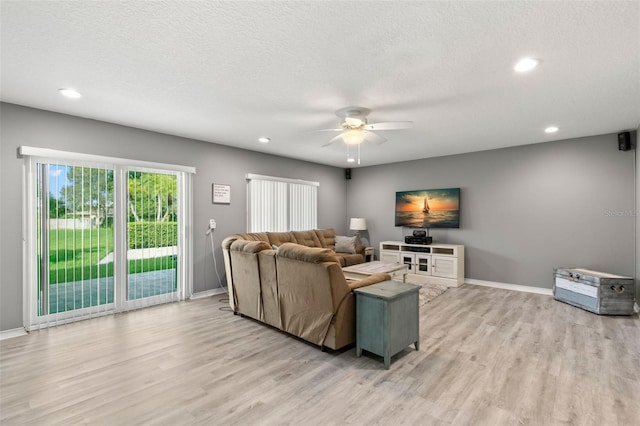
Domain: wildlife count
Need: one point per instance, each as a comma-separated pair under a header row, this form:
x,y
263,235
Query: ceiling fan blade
x,y
328,130
373,138
389,125
332,140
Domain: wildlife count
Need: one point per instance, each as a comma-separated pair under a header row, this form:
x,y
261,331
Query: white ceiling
x,y
229,72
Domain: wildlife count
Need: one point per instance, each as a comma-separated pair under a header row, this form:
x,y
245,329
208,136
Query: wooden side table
x,y
368,254
387,319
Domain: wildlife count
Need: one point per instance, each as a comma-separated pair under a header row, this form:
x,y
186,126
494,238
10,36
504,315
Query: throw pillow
x,y
274,247
345,244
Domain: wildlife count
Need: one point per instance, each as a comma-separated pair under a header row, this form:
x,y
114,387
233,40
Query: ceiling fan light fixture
x,y
353,122
353,137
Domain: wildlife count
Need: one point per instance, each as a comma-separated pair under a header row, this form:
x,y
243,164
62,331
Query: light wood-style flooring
x,y
487,357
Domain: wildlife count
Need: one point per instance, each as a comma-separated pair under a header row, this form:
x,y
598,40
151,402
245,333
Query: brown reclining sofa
x,y
297,288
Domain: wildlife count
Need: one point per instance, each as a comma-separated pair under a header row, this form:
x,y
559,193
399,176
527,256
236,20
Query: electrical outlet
x,y
212,224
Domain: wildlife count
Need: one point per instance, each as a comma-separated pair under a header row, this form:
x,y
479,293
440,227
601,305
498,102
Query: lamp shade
x,y
358,224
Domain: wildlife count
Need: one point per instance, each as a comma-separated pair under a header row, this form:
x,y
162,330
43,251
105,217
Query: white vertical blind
x,y
278,204
268,206
303,208
69,217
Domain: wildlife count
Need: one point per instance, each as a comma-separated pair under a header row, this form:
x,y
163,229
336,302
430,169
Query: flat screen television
x,y
428,208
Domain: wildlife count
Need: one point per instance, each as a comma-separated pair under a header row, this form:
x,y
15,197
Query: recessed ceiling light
x,y
350,160
264,139
70,93
526,64
551,129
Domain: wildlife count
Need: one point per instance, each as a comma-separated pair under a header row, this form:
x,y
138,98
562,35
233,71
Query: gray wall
x,y
214,164
524,210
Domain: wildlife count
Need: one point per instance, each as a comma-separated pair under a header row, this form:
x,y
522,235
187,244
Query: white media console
x,y
433,263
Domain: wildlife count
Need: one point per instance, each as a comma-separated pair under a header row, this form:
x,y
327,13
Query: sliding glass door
x,y
101,238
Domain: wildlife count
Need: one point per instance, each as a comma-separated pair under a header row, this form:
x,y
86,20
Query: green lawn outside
x,y
70,248
74,256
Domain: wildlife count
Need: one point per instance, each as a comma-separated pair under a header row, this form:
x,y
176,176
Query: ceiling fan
x,y
355,129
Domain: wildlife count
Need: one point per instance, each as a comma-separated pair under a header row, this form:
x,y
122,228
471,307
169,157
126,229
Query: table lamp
x,y
358,224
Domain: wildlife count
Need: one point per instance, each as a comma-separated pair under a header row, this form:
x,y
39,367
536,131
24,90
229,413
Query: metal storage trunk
x,y
597,292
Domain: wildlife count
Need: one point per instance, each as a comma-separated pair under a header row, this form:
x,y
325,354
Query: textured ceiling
x,y
229,72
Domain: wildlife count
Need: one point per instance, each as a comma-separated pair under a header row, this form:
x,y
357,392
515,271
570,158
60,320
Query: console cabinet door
x,y
390,257
444,266
409,259
423,264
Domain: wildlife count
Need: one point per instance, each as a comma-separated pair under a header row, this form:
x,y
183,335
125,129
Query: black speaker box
x,y
347,174
624,141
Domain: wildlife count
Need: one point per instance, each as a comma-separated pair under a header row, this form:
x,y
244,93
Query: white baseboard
x,y
208,293
15,332
506,286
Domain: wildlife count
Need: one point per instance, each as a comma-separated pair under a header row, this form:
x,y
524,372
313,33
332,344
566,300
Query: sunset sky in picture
x,y
438,200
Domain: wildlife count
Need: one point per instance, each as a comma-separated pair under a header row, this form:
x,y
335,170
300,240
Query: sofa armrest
x,y
249,246
360,249
371,279
226,243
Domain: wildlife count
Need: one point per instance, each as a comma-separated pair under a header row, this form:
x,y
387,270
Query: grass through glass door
x,y
152,231
75,237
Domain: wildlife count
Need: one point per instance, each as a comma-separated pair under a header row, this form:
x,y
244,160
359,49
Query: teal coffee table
x,y
387,318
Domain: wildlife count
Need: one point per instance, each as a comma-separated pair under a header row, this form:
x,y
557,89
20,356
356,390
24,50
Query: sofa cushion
x,y
345,244
279,238
307,254
307,238
327,237
253,236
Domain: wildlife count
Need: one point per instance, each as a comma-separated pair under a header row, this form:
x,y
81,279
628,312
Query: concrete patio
x,y
82,294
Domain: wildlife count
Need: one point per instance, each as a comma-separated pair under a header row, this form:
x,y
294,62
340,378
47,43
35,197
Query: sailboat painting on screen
x,y
428,208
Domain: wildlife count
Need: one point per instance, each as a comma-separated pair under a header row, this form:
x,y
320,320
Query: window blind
x,y
280,204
